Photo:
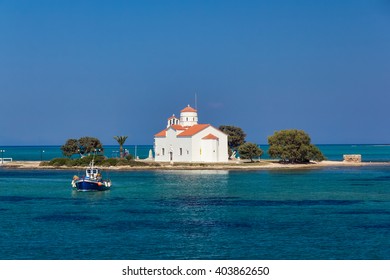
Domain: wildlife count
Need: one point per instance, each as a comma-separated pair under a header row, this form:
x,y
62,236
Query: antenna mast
x,y
196,102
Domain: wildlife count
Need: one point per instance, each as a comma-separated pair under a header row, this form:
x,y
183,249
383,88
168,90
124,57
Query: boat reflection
x,y
90,195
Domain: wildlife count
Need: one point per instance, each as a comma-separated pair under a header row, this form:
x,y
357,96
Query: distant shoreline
x,y
237,165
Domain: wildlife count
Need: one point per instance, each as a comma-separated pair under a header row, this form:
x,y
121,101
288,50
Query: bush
x,y
122,162
249,150
59,162
98,160
138,163
110,162
129,157
85,161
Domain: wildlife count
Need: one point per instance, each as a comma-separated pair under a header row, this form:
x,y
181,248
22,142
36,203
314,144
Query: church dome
x,y
188,109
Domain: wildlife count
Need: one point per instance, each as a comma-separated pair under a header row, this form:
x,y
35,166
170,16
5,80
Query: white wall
x,y
191,147
188,118
222,147
209,150
171,143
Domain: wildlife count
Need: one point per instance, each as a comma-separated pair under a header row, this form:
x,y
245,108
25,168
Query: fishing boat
x,y
91,181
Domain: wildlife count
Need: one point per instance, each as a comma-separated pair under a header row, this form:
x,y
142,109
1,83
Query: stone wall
x,y
352,158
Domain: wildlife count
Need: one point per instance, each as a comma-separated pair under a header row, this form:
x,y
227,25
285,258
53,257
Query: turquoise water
x,y
369,152
331,213
332,152
37,153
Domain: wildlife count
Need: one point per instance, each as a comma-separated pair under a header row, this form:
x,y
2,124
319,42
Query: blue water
x,y
330,213
38,153
332,152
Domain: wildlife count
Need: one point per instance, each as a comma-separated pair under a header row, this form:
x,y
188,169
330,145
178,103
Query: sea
x,y
378,153
330,213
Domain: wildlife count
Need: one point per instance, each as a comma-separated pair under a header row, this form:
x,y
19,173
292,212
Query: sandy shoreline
x,y
201,166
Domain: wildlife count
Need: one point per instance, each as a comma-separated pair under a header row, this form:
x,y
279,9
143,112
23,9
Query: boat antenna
x,y
196,101
93,158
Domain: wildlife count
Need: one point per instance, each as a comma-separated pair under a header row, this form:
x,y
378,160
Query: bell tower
x,y
172,121
188,116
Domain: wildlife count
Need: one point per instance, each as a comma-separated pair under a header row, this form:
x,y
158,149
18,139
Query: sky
x,y
98,68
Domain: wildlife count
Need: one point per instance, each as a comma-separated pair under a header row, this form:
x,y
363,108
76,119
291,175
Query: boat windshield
x,y
92,171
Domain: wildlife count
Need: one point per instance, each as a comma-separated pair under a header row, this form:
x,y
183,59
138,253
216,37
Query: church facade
x,y
184,140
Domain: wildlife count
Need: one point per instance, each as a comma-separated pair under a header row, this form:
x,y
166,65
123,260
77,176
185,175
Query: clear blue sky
x,y
102,68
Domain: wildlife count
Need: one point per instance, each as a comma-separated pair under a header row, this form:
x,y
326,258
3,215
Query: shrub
x,y
98,160
59,162
249,150
110,162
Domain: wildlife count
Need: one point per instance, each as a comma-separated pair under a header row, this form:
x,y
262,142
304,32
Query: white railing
x,y
5,160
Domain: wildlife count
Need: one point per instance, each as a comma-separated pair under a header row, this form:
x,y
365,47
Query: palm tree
x,y
121,141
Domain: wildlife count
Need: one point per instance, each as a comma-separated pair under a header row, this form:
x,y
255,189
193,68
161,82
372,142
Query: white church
x,y
184,140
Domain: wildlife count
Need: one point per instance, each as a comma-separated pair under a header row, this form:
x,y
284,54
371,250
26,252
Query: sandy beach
x,y
236,165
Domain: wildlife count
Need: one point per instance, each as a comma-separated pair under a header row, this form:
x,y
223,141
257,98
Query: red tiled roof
x,y
210,137
177,127
188,109
162,133
193,130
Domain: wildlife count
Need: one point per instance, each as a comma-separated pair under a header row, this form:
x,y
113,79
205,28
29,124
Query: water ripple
x,y
366,212
144,211
374,226
254,203
66,218
16,198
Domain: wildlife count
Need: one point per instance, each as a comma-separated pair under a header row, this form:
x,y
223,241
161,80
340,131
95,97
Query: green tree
x,y
293,146
70,147
121,141
88,145
249,150
82,146
236,136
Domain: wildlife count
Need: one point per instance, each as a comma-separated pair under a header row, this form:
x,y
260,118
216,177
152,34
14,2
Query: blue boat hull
x,y
88,185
